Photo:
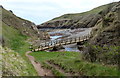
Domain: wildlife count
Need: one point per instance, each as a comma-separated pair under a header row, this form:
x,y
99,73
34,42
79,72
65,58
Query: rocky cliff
x,y
83,20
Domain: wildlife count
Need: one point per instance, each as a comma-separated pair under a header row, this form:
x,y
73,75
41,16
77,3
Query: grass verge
x,y
72,62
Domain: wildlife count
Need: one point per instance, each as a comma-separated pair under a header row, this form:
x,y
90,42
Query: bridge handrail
x,y
58,41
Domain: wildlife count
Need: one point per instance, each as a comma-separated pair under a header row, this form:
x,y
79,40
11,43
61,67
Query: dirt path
x,y
37,66
59,69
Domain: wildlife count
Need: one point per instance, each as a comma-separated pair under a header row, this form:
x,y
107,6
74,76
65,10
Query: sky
x,y
39,11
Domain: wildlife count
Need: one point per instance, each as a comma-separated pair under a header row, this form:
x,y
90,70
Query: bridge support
x,y
56,48
80,43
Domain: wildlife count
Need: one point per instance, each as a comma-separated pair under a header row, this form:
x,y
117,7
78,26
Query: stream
x,y
64,33
71,47
60,34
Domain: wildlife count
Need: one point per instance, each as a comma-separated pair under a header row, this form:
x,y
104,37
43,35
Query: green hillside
x,y
79,20
77,15
15,34
14,65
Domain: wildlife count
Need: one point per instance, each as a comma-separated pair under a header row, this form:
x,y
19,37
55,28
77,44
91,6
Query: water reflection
x,y
71,47
54,37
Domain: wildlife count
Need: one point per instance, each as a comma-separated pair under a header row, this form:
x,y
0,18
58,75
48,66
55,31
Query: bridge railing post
x,y
64,41
51,43
83,37
45,44
55,43
48,44
67,41
38,47
75,39
79,38
70,40
60,42
41,47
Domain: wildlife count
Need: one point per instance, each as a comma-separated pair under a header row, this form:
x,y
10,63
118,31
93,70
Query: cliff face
x,y
107,29
85,19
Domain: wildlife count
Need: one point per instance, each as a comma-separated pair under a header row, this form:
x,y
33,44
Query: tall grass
x,y
17,42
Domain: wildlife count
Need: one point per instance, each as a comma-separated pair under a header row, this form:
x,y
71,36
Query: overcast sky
x,y
39,11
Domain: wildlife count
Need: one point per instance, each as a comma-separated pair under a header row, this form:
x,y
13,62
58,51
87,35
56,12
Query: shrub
x,y
106,55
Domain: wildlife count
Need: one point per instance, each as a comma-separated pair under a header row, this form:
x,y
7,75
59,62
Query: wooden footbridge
x,y
55,43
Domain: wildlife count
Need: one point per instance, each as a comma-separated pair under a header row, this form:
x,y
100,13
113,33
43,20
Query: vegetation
x,y
17,42
107,54
54,71
98,60
72,62
14,39
78,15
15,33
14,65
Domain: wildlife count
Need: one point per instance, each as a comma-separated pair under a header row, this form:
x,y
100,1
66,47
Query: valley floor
x,y
72,64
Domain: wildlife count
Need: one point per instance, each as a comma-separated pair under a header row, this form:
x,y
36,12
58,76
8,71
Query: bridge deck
x,y
55,43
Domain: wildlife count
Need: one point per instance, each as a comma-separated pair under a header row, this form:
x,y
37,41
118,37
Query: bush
x,y
106,55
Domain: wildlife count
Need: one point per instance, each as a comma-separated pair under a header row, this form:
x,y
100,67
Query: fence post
x,y
79,38
75,39
48,44
45,44
83,38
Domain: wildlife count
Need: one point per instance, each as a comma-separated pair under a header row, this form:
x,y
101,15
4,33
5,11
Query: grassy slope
x,y
14,39
77,15
23,26
71,61
14,64
17,42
